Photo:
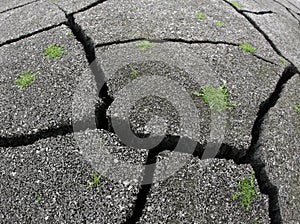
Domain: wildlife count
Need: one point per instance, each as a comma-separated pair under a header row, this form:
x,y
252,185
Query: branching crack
x,y
239,156
253,23
290,11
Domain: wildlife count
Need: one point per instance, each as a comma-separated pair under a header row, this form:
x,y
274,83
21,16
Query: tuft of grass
x,y
96,179
38,200
201,16
236,4
297,108
25,79
196,93
216,98
282,60
54,52
247,47
145,45
248,191
133,73
219,23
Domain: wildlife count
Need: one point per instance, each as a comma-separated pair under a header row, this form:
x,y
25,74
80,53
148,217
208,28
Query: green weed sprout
x,y
247,47
133,73
219,24
248,191
201,16
236,4
54,51
216,98
38,200
144,45
25,79
297,108
96,179
282,60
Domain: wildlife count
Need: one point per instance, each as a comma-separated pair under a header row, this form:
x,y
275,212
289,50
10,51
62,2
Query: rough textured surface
x,y
25,20
47,102
47,182
121,20
197,195
11,4
50,145
280,150
72,6
186,69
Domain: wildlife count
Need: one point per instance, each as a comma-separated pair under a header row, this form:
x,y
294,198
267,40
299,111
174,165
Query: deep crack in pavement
x,y
103,120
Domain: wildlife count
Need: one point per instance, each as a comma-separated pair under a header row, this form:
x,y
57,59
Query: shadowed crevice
x,y
253,157
102,88
258,13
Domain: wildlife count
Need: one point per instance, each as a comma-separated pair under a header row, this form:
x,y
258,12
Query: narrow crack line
x,y
290,11
253,23
163,40
144,191
265,60
61,130
89,6
264,109
178,40
257,13
294,6
22,37
29,139
19,6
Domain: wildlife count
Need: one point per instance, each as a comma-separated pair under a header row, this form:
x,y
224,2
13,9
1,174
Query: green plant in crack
x,y
25,79
145,45
282,60
248,191
54,52
96,179
219,23
216,98
38,200
201,16
133,73
236,4
245,46
297,108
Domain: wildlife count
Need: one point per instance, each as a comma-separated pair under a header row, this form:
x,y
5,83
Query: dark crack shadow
x,y
258,13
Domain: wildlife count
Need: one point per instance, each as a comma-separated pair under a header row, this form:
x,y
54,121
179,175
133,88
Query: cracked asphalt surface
x,y
113,132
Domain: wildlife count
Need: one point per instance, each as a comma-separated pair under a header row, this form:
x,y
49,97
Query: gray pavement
x,y
280,149
58,166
